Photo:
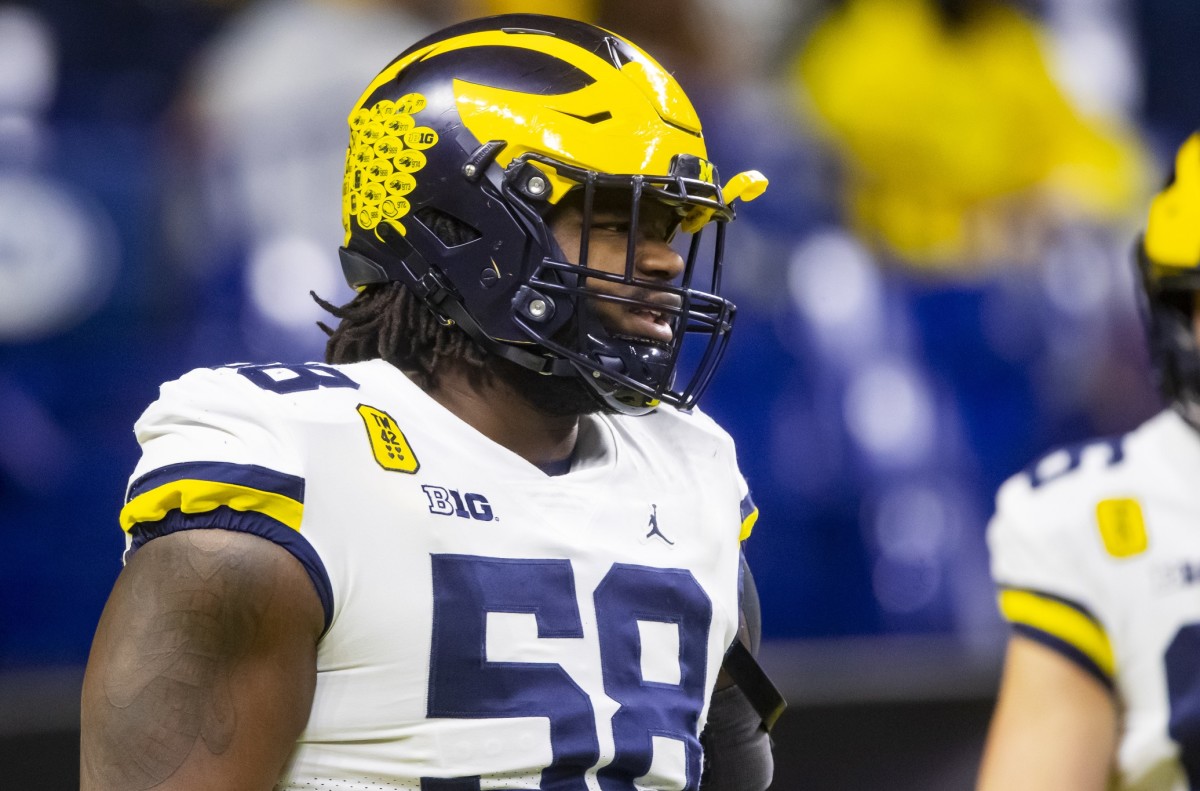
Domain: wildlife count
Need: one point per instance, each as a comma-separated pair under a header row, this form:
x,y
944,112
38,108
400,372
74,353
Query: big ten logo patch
x,y
386,149
388,442
465,505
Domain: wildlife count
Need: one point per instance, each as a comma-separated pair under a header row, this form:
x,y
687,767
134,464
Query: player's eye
x,y
614,226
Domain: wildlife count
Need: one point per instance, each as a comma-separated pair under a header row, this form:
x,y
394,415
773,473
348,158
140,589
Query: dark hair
x,y
388,322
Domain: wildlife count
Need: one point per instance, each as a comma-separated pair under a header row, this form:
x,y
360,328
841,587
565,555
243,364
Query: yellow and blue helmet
x,y
462,147
1169,258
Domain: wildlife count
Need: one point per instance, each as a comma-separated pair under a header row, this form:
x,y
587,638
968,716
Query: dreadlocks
x,y
386,321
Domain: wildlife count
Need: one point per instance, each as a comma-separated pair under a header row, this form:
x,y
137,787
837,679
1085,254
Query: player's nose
x,y
656,259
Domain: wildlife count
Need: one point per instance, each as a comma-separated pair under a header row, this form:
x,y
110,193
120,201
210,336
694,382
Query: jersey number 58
x,y
463,683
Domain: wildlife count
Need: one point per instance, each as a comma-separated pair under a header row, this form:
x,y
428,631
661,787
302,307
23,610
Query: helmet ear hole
x,y
450,231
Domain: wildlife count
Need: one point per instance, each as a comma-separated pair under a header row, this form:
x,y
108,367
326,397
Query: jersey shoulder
x,y
249,417
692,428
222,448
1078,512
707,449
272,392
273,381
682,439
1065,475
1076,478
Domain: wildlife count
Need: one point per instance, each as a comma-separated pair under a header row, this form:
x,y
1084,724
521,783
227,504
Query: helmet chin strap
x,y
362,271
541,363
613,396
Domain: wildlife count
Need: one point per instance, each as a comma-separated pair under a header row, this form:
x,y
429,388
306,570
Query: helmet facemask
x,y
608,339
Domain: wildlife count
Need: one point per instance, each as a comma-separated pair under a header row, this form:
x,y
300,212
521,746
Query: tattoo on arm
x,y
174,640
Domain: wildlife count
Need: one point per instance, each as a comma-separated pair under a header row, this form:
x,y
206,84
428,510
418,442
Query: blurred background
x,y
935,290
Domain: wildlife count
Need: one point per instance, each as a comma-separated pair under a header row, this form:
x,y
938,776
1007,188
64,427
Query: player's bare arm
x,y
202,671
1055,726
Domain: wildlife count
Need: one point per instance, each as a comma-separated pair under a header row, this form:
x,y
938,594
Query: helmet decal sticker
x,y
386,148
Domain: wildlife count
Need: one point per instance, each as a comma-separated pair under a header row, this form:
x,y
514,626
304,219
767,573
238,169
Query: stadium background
x,y
935,290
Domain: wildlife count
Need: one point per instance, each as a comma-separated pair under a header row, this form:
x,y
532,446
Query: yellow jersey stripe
x,y
192,496
1061,620
748,524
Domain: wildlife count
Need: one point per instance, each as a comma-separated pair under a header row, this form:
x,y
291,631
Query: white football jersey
x,y
489,626
1096,552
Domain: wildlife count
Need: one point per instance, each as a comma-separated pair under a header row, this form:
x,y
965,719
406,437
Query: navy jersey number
x,y
1183,691
283,378
626,595
1074,454
463,683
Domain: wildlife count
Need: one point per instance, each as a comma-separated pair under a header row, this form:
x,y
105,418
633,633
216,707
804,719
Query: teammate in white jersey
x,y
1096,552
489,543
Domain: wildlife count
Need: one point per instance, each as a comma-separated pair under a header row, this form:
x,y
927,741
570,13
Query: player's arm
x,y
1054,727
203,666
737,746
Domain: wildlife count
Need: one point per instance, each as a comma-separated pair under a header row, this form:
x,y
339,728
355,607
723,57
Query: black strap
x,y
429,287
763,695
541,363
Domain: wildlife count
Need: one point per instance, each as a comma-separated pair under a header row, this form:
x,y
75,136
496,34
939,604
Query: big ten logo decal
x,y
388,442
465,505
386,148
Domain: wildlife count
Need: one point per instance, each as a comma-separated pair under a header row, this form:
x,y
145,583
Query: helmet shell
x,y
482,129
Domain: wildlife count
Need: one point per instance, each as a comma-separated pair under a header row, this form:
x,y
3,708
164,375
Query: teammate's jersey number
x,y
1182,662
463,683
1074,459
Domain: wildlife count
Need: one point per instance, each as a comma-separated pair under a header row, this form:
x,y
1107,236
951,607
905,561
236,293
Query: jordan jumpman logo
x,y
654,531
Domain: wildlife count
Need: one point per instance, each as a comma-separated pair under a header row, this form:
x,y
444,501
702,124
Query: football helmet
x,y
1169,259
463,146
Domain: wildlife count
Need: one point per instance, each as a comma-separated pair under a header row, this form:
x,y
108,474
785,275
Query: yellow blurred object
x,y
747,186
583,10
1172,239
940,122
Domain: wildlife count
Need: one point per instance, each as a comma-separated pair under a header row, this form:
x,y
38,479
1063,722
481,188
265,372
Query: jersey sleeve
x,y
1047,588
214,455
748,511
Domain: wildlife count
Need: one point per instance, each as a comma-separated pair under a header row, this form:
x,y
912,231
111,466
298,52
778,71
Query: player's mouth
x,y
652,318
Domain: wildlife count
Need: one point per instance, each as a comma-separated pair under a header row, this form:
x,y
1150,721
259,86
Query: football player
x,y
1096,554
489,543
